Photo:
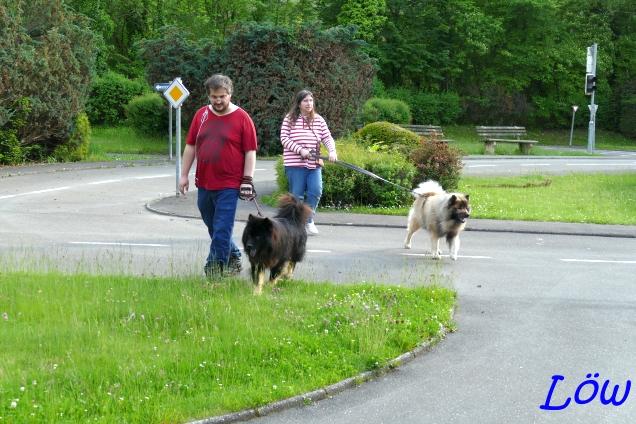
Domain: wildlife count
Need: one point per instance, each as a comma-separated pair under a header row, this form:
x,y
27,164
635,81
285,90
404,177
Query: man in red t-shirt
x,y
222,138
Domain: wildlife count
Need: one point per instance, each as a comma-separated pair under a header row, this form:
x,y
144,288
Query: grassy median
x,y
120,348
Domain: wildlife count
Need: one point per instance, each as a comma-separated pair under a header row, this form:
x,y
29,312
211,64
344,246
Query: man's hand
x,y
247,192
184,184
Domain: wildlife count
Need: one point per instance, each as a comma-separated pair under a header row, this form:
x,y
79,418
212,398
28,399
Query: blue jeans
x,y
309,181
218,210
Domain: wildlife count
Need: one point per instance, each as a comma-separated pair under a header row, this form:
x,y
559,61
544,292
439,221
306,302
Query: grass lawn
x,y
581,198
116,143
119,348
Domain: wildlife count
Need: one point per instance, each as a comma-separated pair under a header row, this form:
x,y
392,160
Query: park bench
x,y
489,140
426,131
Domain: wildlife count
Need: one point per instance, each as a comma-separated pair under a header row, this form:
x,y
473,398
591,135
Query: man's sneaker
x,y
311,229
235,266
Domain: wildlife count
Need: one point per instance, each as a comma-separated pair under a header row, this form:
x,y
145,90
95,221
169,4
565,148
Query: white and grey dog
x,y
442,214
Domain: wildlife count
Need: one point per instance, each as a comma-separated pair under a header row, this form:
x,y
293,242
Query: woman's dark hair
x,y
295,110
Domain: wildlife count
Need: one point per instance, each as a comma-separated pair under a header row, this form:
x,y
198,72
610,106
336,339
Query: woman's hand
x,y
333,156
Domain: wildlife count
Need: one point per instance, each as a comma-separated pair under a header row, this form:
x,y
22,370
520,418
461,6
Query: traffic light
x,y
590,84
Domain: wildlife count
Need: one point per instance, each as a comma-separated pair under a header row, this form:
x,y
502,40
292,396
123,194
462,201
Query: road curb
x,y
328,391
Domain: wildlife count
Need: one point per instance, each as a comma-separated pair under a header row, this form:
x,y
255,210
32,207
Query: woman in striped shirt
x,y
304,130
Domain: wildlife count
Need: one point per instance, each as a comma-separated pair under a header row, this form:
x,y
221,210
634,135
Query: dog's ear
x,y
251,218
468,197
452,201
267,224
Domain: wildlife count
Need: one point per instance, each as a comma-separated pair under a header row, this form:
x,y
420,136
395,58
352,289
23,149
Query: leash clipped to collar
x,y
358,169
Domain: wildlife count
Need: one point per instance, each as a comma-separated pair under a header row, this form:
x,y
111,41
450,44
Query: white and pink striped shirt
x,y
300,136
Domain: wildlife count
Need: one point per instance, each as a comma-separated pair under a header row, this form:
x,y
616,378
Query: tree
x,y
47,55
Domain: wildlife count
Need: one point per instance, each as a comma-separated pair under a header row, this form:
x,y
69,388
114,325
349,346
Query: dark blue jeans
x,y
218,210
303,180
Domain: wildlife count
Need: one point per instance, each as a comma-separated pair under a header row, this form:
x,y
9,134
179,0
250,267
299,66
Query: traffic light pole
x,y
591,133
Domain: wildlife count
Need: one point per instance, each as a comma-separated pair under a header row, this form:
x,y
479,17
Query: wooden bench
x,y
490,132
426,131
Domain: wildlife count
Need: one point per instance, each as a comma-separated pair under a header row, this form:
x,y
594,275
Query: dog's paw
x,y
453,256
407,245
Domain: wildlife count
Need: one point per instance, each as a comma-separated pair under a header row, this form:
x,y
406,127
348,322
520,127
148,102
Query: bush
x,y
343,186
148,114
76,147
109,96
627,122
429,108
47,54
387,136
268,65
436,161
10,150
390,110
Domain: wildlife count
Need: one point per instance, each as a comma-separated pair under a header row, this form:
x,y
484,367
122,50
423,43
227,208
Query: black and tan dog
x,y
442,214
277,243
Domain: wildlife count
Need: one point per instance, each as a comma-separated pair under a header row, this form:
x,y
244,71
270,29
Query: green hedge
x,y
76,147
148,114
109,96
343,186
389,110
429,108
387,136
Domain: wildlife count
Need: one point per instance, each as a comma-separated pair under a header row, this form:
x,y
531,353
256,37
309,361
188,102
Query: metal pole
x,y
574,108
591,133
178,125
169,131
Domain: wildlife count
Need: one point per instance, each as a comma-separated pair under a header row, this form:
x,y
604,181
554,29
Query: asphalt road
x,y
531,304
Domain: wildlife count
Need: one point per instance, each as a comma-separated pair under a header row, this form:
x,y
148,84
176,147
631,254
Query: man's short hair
x,y
218,81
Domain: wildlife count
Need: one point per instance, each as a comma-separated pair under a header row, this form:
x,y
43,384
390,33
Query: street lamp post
x,y
574,108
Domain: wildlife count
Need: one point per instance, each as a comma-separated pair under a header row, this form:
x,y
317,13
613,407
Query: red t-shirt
x,y
220,144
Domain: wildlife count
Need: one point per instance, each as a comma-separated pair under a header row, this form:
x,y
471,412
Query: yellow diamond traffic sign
x,y
176,93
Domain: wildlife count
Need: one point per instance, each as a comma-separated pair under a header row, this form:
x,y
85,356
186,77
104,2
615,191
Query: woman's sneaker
x,y
311,229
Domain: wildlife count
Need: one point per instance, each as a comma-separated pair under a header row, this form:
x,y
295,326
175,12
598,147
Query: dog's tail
x,y
293,209
428,187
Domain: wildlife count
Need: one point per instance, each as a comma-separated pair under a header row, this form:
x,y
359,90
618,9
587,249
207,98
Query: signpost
x,y
574,108
591,70
176,93
161,87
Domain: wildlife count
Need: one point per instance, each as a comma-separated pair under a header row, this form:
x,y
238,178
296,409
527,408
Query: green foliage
x,y
343,186
270,64
429,108
366,15
148,114
109,96
436,161
389,110
11,120
173,55
47,54
627,123
386,136
76,147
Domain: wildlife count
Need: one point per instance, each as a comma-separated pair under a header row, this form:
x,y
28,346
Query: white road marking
x,y
155,176
599,164
319,251
598,261
104,182
535,164
33,192
447,256
118,244
479,166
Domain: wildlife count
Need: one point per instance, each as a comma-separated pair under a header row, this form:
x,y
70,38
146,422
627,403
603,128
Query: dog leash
x,y
358,169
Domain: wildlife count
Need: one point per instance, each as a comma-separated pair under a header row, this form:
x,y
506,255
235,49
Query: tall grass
x,y
106,141
80,347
